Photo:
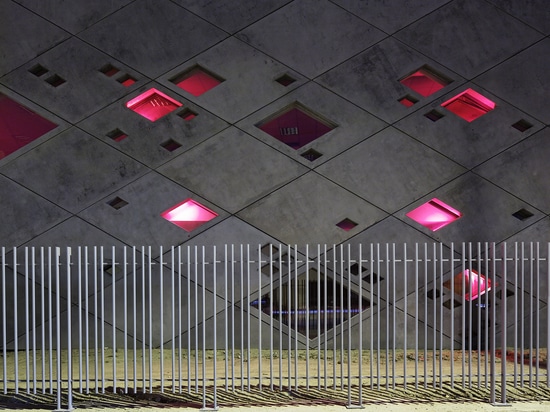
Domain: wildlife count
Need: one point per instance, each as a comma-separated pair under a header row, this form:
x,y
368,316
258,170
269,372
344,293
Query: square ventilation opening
x,y
109,70
38,70
346,224
522,125
187,114
475,284
153,104
117,135
19,126
469,105
354,269
522,214
425,81
408,100
126,80
117,203
189,215
311,155
269,247
434,115
55,80
375,278
296,126
285,80
197,81
434,214
171,145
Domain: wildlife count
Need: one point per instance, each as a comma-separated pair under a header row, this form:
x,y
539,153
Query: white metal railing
x,y
198,319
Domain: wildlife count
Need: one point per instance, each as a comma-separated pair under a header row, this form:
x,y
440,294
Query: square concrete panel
x,y
73,16
372,79
24,213
140,222
523,170
85,88
73,170
248,79
144,138
468,143
484,34
317,36
307,211
486,211
523,80
232,16
24,41
390,170
533,12
215,170
153,36
352,124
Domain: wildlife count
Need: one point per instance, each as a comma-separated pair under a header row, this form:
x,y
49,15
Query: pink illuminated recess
x,y
424,82
153,104
434,214
189,215
475,284
197,81
469,105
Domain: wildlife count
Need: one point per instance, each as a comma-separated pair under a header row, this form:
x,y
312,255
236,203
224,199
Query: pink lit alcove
x,y
434,214
189,215
424,82
153,104
470,284
469,105
197,81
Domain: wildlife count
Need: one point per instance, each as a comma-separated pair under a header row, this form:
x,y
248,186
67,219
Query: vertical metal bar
x,y
247,315
102,309
319,309
360,349
478,305
504,323
33,298
425,315
58,326
189,319
463,315
393,316
69,334
150,306
242,316
487,304
377,315
259,316
371,324
161,312
113,298
233,317
215,265
434,307
196,317
537,318
125,315
325,315
271,315
531,270
334,313
135,305
416,286
493,326
143,319
27,326
470,288
515,347
441,272
281,317
173,316
307,317
388,338
349,321
289,304
226,316
96,324
522,314
547,310
180,331
4,336
405,315
342,316
451,270
79,254
43,315
203,329
296,314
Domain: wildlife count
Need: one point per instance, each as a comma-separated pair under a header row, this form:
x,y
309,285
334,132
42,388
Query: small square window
x,y
55,80
475,284
522,125
522,214
117,203
354,269
189,215
285,80
126,80
375,278
425,81
171,145
153,104
434,115
109,70
117,135
187,114
197,81
434,214
433,294
469,105
311,155
38,70
346,224
408,101
267,247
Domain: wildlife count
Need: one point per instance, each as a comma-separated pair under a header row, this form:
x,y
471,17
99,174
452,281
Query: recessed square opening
x,y
38,70
408,100
354,269
522,125
126,80
469,105
452,304
19,126
266,269
153,104
375,278
296,126
434,214
109,70
475,284
55,80
117,203
117,135
187,114
346,224
425,81
434,115
171,145
433,294
197,80
311,155
285,80
267,247
189,215
522,214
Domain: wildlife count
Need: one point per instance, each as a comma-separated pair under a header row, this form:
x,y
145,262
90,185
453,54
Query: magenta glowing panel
x,y
424,82
153,104
19,126
434,214
469,105
189,215
470,284
295,127
197,81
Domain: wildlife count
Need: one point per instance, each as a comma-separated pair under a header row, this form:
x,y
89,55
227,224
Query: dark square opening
x,y
171,145
311,155
38,70
375,278
354,269
266,248
197,80
346,224
522,125
187,114
285,80
408,100
126,80
117,203
433,294
55,80
522,214
117,135
434,115
109,70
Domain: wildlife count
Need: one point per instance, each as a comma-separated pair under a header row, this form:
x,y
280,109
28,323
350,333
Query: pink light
x,y
474,283
189,215
197,82
469,105
407,101
424,83
19,126
434,214
153,104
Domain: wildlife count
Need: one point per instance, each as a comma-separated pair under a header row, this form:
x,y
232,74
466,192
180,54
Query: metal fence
x,y
274,317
